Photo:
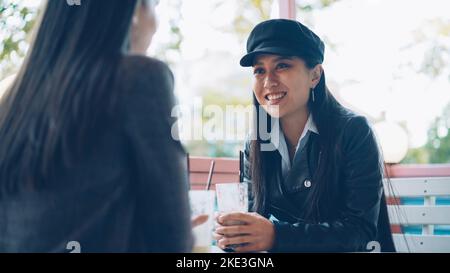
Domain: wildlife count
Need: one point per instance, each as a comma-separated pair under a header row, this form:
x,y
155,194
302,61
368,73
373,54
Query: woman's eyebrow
x,y
283,58
257,63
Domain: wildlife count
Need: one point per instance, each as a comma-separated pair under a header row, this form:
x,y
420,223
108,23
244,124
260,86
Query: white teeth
x,y
275,96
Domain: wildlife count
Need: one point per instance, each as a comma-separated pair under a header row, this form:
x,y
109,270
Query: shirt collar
x,y
309,126
278,140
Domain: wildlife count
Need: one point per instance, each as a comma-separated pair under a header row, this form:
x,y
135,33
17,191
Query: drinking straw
x,y
211,170
188,171
241,166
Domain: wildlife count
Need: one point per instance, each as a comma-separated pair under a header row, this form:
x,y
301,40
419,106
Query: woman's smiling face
x,y
282,84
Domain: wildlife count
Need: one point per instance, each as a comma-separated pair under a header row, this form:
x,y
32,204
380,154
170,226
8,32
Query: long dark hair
x,y
64,87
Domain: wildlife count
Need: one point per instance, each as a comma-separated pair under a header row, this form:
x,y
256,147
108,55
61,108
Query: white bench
x,y
426,181
427,215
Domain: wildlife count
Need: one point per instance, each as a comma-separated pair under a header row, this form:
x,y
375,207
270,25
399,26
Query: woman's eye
x,y
258,71
282,66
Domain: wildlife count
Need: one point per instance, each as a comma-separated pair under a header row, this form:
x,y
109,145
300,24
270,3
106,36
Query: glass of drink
x,y
232,197
202,202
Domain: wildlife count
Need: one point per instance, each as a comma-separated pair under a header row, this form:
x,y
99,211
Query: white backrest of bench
x,y
422,243
427,215
419,215
418,187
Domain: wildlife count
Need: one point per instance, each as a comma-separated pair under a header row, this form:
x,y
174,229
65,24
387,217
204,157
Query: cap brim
x,y
248,59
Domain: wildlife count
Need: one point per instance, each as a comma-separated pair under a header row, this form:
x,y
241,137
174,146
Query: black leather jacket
x,y
358,214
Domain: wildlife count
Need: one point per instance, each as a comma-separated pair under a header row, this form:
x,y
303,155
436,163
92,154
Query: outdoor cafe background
x,y
386,59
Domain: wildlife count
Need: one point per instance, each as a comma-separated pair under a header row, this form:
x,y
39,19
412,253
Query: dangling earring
x,y
313,95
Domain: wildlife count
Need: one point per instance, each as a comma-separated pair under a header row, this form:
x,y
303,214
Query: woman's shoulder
x,y
141,76
356,130
350,121
138,66
145,87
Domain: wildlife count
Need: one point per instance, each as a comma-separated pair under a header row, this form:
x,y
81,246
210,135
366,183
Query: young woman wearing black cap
x,y
321,183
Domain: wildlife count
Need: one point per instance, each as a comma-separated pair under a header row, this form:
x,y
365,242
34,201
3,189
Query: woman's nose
x,y
270,81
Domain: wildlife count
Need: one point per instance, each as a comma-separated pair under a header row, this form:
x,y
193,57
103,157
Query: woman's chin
x,y
273,110
275,113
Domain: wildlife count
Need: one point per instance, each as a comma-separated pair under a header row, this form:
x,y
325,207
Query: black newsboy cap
x,y
283,37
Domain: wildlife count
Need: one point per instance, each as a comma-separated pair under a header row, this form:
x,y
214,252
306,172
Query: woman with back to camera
x,y
86,152
321,182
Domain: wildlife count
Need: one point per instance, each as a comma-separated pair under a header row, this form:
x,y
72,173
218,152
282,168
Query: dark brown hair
x,y
65,85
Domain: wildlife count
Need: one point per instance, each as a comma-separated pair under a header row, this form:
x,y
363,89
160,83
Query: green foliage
x,y
416,156
434,35
16,23
248,14
438,144
218,148
319,4
437,148
172,48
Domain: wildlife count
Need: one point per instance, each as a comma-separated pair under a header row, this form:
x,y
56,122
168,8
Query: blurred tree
x,y
247,14
438,145
437,148
170,51
16,23
434,34
251,12
221,148
308,6
416,156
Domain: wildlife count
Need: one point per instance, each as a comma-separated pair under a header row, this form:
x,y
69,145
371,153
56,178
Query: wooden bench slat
x,y
419,215
418,187
422,243
418,170
222,165
202,178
